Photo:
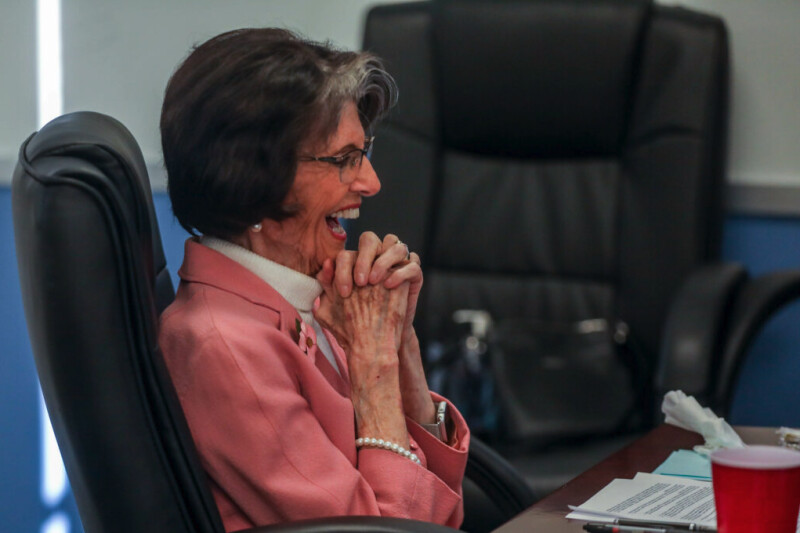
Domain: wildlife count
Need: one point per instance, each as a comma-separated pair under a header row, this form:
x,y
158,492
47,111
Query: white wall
x,y
17,78
765,93
118,55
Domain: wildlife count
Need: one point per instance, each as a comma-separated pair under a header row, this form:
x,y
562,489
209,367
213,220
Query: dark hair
x,y
236,111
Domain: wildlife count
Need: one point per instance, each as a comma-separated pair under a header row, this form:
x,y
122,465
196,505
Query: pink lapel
x,y
209,267
204,265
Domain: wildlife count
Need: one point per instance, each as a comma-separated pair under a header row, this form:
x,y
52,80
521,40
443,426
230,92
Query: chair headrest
x,y
555,80
117,168
98,139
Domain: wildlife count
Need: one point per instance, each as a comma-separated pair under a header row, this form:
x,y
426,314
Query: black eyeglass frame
x,y
341,161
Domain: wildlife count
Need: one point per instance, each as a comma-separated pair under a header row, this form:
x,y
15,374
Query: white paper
x,y
651,498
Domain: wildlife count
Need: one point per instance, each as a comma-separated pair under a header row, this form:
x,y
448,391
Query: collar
x,y
299,290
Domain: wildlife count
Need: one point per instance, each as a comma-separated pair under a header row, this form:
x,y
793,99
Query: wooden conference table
x,y
643,455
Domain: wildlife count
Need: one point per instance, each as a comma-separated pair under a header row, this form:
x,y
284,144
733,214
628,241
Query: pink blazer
x,y
274,426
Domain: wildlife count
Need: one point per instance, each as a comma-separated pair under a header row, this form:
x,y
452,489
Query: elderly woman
x,y
296,361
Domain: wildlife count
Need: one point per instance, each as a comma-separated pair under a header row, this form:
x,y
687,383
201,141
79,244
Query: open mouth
x,y
334,224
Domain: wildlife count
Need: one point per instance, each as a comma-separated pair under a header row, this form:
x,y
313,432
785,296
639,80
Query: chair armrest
x,y
494,491
754,305
693,330
353,524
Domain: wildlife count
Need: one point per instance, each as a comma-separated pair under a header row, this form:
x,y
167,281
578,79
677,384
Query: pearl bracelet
x,y
387,445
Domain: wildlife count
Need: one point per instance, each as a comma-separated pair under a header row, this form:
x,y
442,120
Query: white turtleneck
x,y
298,289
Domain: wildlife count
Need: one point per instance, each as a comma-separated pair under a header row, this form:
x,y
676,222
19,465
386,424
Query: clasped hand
x,y
368,303
370,295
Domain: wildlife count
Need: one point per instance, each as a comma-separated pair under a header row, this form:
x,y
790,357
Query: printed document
x,y
651,498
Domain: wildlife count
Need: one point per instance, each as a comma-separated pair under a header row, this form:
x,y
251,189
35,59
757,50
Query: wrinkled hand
x,y
387,262
368,324
370,317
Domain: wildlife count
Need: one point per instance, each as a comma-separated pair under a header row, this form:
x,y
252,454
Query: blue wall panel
x,y
173,236
763,244
22,508
768,393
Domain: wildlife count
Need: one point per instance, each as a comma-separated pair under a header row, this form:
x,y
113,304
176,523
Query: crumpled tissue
x,y
685,412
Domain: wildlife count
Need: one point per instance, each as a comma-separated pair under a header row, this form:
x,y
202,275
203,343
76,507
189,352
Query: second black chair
x,y
558,165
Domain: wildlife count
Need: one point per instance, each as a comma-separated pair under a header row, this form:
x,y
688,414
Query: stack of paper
x,y
652,498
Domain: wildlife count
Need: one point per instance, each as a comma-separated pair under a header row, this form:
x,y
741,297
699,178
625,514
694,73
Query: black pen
x,y
611,528
668,525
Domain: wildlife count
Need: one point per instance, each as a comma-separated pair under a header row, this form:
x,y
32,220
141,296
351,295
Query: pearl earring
x,y
256,227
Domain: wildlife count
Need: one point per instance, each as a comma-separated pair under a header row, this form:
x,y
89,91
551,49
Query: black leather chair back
x,y
94,279
552,160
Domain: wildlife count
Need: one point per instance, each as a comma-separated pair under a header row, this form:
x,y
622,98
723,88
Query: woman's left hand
x,y
389,261
386,261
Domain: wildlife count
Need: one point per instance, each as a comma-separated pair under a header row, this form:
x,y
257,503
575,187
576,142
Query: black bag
x,y
538,382
562,380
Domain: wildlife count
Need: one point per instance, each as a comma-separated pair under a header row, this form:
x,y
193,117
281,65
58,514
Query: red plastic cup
x,y
756,489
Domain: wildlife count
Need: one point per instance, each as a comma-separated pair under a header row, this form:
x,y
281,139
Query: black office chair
x,y
94,279
559,165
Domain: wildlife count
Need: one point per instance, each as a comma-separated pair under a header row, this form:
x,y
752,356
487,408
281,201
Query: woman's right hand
x,y
388,263
370,317
384,261
369,325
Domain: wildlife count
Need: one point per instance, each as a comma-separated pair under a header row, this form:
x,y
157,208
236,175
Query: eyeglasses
x,y
348,163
